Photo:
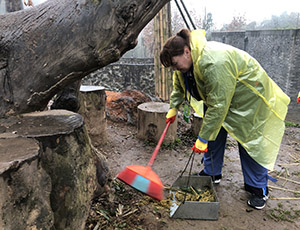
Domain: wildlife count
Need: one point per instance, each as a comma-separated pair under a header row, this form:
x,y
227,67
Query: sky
x,y
223,11
36,2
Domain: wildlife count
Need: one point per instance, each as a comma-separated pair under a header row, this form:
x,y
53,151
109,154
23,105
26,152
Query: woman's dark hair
x,y
174,46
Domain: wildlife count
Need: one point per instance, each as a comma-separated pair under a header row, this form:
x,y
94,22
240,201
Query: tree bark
x,y
68,98
24,185
47,47
49,175
92,100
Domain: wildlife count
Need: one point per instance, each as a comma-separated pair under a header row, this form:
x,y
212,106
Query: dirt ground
x,y
124,208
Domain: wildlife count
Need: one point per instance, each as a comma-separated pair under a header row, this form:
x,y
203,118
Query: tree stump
x,y
24,185
92,108
61,176
196,123
152,122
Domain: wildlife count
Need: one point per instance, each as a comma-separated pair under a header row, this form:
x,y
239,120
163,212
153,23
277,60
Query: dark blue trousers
x,y
254,174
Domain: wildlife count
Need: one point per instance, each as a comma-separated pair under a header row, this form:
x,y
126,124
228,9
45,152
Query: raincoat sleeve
x,y
219,84
177,95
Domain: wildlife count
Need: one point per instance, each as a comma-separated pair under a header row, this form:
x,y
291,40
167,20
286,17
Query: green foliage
x,y
280,214
279,205
173,145
291,124
223,228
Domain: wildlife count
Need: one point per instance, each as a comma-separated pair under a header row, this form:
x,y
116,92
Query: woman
x,y
239,99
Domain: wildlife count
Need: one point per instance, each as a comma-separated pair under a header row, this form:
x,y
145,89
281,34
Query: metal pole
x,y
182,14
186,11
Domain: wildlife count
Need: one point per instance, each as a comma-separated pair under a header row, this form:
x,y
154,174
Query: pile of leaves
x,y
125,208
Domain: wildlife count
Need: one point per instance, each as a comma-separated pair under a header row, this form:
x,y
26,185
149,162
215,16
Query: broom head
x,y
143,179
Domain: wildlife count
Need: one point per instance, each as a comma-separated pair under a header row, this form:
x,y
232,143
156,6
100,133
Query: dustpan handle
x,y
158,145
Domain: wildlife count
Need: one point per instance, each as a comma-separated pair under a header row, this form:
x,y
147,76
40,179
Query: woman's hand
x,y
171,115
200,145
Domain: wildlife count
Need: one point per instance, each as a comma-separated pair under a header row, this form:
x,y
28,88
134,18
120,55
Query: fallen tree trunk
x,y
47,47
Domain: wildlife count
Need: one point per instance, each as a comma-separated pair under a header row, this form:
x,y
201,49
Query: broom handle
x,y
158,145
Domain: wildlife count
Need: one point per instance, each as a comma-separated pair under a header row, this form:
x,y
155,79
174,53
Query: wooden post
x,y
156,58
162,31
92,108
161,41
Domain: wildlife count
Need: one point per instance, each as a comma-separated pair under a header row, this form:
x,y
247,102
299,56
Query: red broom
x,y
143,178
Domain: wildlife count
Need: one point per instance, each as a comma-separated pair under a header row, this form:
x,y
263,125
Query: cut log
x,y
92,108
152,122
65,157
196,123
24,185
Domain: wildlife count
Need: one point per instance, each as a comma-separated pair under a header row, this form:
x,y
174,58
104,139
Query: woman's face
x,y
182,62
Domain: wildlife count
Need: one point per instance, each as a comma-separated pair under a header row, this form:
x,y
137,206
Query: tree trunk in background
x,y
45,48
13,5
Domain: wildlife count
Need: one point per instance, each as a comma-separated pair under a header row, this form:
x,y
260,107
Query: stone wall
x,y
278,51
126,74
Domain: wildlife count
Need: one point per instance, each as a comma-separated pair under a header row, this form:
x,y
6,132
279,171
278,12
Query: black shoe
x,y
257,202
259,196
217,179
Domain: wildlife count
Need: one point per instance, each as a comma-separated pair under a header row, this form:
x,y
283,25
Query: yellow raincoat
x,y
239,95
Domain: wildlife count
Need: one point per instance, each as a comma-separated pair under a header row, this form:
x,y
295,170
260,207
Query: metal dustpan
x,y
194,209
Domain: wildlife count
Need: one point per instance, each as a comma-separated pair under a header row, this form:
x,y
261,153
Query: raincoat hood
x,y
197,44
